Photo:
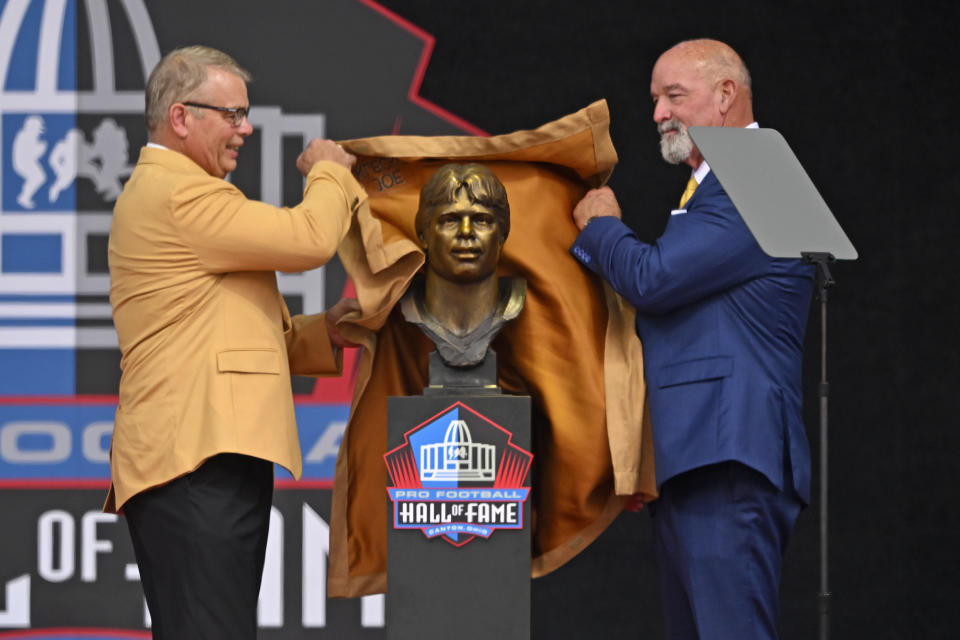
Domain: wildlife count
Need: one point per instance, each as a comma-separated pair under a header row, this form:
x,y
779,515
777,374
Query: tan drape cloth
x,y
573,348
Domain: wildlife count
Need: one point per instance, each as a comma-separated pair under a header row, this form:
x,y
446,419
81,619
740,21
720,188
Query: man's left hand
x,y
596,202
334,313
634,503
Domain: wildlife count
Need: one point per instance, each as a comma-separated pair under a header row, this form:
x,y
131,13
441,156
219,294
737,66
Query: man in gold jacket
x,y
205,404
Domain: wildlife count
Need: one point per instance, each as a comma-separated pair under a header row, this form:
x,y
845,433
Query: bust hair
x,y
481,185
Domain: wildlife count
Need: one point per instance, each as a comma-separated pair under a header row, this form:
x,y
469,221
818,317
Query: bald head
x,y
698,83
715,60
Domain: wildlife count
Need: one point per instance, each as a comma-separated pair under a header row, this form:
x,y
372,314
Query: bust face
x,y
463,240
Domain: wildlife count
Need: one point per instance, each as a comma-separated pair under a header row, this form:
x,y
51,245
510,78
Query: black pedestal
x,y
458,530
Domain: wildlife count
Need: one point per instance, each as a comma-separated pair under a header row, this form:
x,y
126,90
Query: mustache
x,y
670,125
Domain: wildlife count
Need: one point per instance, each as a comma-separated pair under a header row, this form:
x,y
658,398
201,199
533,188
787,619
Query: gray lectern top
x,y
775,197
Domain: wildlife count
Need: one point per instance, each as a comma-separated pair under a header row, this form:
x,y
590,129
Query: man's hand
x,y
334,313
319,150
596,202
634,503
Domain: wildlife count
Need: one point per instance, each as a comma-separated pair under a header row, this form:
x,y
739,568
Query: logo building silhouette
x,y
458,457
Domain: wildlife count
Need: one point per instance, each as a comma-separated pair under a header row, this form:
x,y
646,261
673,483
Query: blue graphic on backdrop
x,y
72,442
65,153
62,165
47,153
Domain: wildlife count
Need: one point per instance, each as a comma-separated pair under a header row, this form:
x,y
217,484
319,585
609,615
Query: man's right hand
x,y
319,150
596,202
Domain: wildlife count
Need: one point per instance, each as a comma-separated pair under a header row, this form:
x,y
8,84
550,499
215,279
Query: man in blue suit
x,y
722,329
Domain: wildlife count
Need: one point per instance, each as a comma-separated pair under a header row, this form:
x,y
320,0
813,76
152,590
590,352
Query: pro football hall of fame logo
x,y
458,475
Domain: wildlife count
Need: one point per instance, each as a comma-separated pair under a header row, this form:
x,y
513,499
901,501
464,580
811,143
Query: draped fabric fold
x,y
573,348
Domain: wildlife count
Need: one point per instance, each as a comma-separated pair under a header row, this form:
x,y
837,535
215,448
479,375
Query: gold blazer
x,y
207,341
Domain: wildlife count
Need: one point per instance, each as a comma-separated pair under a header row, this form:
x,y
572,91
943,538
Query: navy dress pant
x,y
719,534
200,543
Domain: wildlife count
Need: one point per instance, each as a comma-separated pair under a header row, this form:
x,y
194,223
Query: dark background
x,y
864,92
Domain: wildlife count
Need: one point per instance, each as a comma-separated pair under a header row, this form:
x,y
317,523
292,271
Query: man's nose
x,y
465,228
661,111
245,128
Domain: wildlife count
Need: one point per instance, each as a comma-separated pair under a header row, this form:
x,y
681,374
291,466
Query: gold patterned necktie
x,y
691,187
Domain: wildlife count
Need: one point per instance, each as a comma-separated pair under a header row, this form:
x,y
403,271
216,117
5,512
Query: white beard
x,y
677,148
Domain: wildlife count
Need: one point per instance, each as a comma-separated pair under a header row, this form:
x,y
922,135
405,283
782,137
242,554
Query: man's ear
x,y
727,91
177,117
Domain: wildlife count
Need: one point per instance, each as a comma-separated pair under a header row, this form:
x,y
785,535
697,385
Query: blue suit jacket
x,y
722,329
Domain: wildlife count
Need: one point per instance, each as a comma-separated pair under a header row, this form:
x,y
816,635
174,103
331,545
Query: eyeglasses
x,y
233,115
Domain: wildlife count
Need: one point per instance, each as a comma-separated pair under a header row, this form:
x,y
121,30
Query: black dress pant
x,y
200,543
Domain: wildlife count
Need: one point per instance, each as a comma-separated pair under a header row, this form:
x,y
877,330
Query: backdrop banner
x,y
72,76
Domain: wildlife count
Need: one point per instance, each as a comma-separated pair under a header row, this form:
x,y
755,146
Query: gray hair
x,y
179,74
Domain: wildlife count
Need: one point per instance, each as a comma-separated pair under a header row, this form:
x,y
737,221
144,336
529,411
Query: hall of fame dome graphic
x,y
65,153
458,475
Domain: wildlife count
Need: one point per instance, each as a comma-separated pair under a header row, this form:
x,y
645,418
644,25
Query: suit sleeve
x,y
701,253
309,348
227,232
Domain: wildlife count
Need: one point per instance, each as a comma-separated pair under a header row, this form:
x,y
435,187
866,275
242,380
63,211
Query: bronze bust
x,y
462,221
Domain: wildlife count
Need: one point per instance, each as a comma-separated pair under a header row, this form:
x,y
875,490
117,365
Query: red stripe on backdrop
x,y
62,632
414,92
104,484
57,400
